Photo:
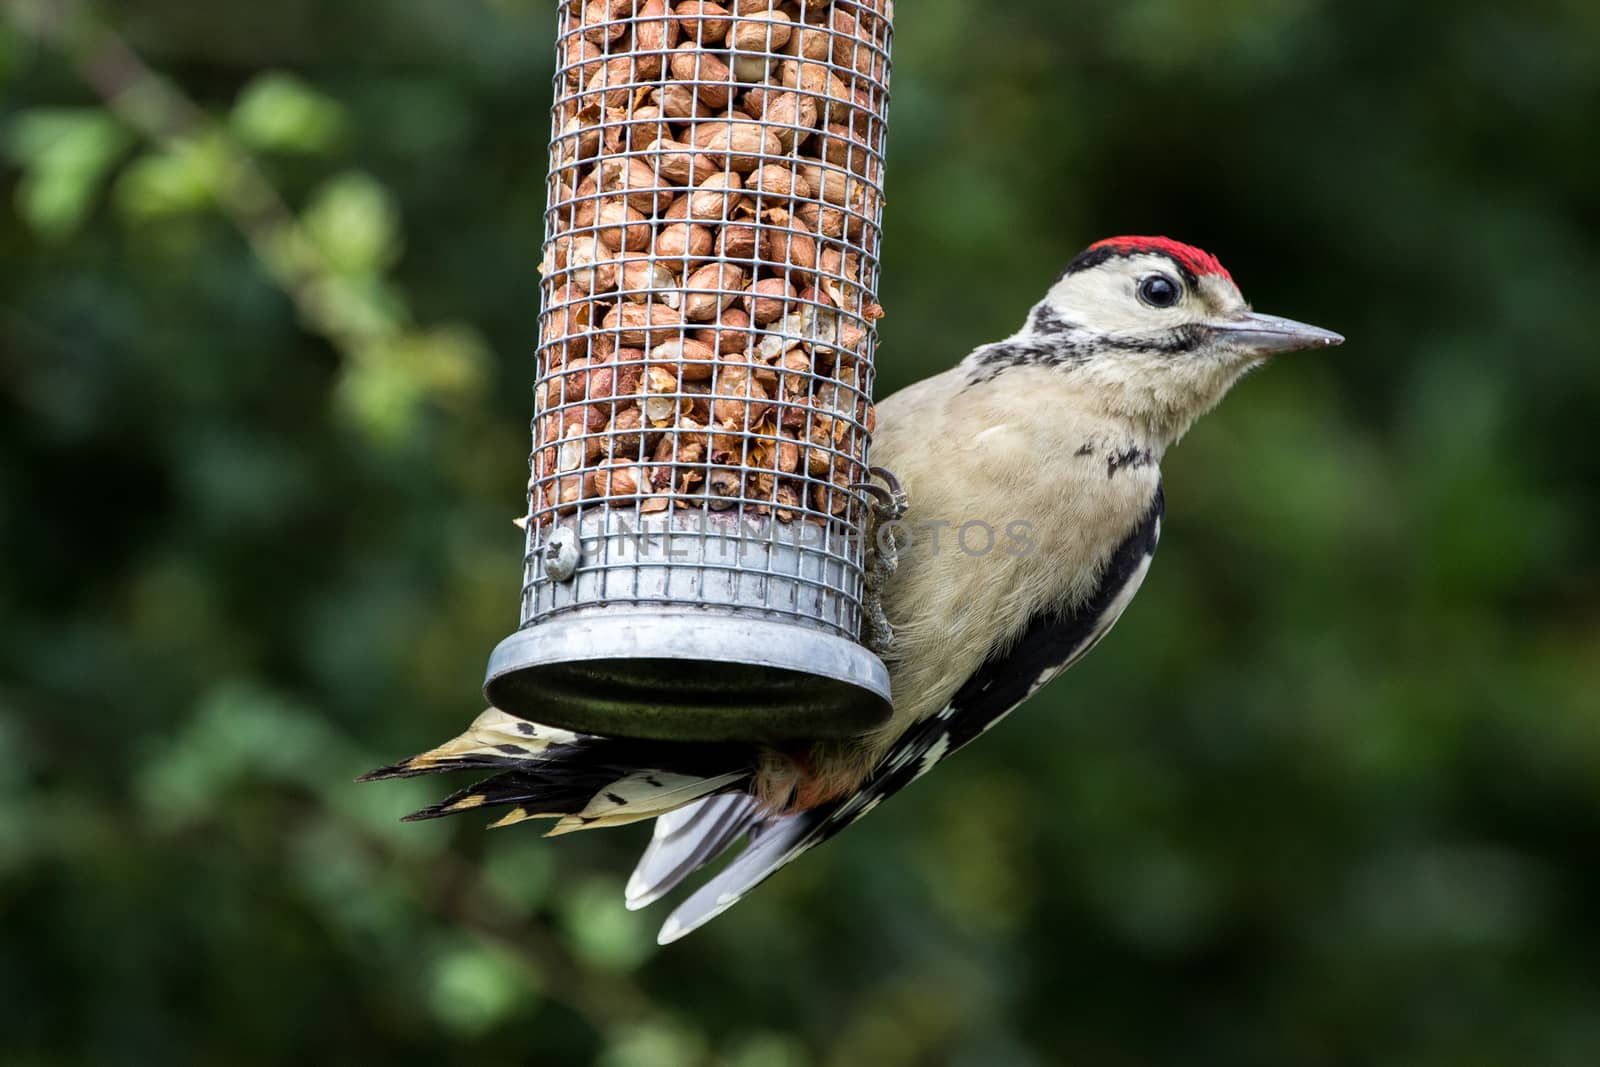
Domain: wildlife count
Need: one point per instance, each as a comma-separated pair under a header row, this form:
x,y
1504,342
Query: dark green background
x,y
1330,794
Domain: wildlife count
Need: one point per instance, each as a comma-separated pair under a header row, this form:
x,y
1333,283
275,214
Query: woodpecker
x,y
1049,443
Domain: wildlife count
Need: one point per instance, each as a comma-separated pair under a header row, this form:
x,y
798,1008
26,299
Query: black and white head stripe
x,y
1051,642
1062,334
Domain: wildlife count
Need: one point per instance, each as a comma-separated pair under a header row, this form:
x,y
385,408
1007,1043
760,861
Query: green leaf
x,y
381,398
239,731
768,1049
361,306
353,220
602,931
452,361
521,876
181,179
280,113
65,155
473,989
658,1043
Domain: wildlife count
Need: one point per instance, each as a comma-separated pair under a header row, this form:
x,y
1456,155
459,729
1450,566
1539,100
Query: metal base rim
x,y
688,676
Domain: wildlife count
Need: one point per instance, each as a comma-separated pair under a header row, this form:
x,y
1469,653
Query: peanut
x,y
679,163
714,196
710,76
742,143
642,325
702,21
710,289
684,241
633,177
767,300
695,359
762,31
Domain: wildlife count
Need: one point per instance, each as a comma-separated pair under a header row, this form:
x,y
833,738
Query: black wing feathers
x,y
1049,643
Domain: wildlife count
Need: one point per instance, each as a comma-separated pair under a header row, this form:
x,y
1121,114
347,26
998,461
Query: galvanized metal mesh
x,y
703,403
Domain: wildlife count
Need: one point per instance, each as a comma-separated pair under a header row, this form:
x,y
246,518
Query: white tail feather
x,y
773,844
686,840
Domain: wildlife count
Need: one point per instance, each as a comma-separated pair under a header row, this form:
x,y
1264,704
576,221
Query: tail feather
x,y
686,840
774,843
582,780
494,740
778,840
644,795
540,791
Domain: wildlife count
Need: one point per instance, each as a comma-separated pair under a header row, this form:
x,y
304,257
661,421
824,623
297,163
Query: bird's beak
x,y
1268,335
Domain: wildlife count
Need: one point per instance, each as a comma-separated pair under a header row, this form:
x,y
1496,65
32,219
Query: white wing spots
x,y
931,758
852,810
901,757
1050,675
851,806
1043,680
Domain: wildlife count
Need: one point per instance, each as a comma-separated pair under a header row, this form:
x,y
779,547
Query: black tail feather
x,y
545,790
408,769
582,779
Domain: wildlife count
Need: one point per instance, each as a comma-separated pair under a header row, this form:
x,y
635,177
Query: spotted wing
x,y
1052,642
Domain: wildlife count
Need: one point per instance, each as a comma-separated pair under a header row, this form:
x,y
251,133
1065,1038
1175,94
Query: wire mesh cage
x,y
703,408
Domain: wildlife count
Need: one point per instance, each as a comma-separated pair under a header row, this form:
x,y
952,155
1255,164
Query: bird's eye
x,y
1159,291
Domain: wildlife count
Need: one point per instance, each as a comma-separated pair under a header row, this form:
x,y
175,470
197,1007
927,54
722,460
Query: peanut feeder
x,y
696,530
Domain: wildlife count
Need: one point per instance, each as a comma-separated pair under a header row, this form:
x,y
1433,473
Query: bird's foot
x,y
883,556
891,500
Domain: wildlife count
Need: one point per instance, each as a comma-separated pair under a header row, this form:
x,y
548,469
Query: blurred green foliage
x,y
1329,795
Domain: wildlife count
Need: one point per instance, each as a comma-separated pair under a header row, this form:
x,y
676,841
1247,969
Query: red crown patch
x,y
1194,259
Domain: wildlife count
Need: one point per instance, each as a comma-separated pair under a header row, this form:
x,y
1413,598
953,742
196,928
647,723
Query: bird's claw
x,y
883,556
891,496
